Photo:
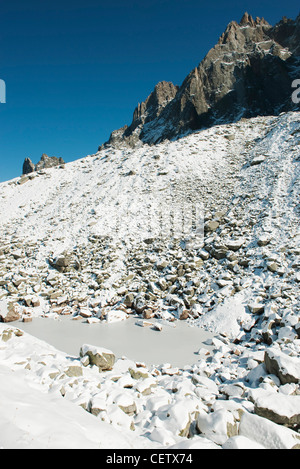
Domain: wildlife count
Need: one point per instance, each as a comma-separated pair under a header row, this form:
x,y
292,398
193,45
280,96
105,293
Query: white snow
x,y
51,399
226,317
32,419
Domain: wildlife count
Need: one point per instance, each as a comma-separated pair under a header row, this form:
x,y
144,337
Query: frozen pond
x,y
177,343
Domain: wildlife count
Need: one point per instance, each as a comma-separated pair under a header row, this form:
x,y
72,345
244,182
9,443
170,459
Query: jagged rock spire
x,y
163,93
247,20
45,162
28,166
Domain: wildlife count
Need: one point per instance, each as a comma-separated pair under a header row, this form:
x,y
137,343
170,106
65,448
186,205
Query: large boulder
x,y
9,311
218,426
267,433
286,367
102,358
278,407
28,166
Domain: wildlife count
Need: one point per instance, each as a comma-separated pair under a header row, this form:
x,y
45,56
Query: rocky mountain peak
x,y
151,108
162,94
146,111
247,20
246,33
287,34
232,81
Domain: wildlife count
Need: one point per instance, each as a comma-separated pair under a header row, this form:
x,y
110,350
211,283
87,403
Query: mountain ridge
x,y
247,73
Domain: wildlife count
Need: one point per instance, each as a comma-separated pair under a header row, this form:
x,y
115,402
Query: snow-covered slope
x,y
99,194
204,228
245,176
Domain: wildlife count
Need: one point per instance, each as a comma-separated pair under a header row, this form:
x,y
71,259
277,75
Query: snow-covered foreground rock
x,y
31,419
33,415
203,229
53,400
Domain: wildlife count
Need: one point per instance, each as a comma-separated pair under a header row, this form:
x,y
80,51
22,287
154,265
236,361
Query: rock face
x,y
164,92
28,166
44,163
287,33
145,112
247,73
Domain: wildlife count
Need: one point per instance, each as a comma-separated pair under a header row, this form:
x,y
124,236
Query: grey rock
x,y
211,225
44,163
48,162
128,300
102,358
139,304
287,368
28,166
280,408
219,252
256,308
234,244
273,266
74,371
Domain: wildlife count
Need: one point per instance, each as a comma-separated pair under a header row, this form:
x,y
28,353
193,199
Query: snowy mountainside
x,y
243,176
95,240
272,187
62,207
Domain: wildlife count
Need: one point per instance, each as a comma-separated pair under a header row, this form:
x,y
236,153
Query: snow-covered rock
x,y
101,357
267,433
217,426
277,407
286,367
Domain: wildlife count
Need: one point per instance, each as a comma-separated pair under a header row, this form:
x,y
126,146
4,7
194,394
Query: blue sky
x,y
75,70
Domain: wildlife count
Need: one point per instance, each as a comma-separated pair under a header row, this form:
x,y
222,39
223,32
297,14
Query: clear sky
x,y
75,70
